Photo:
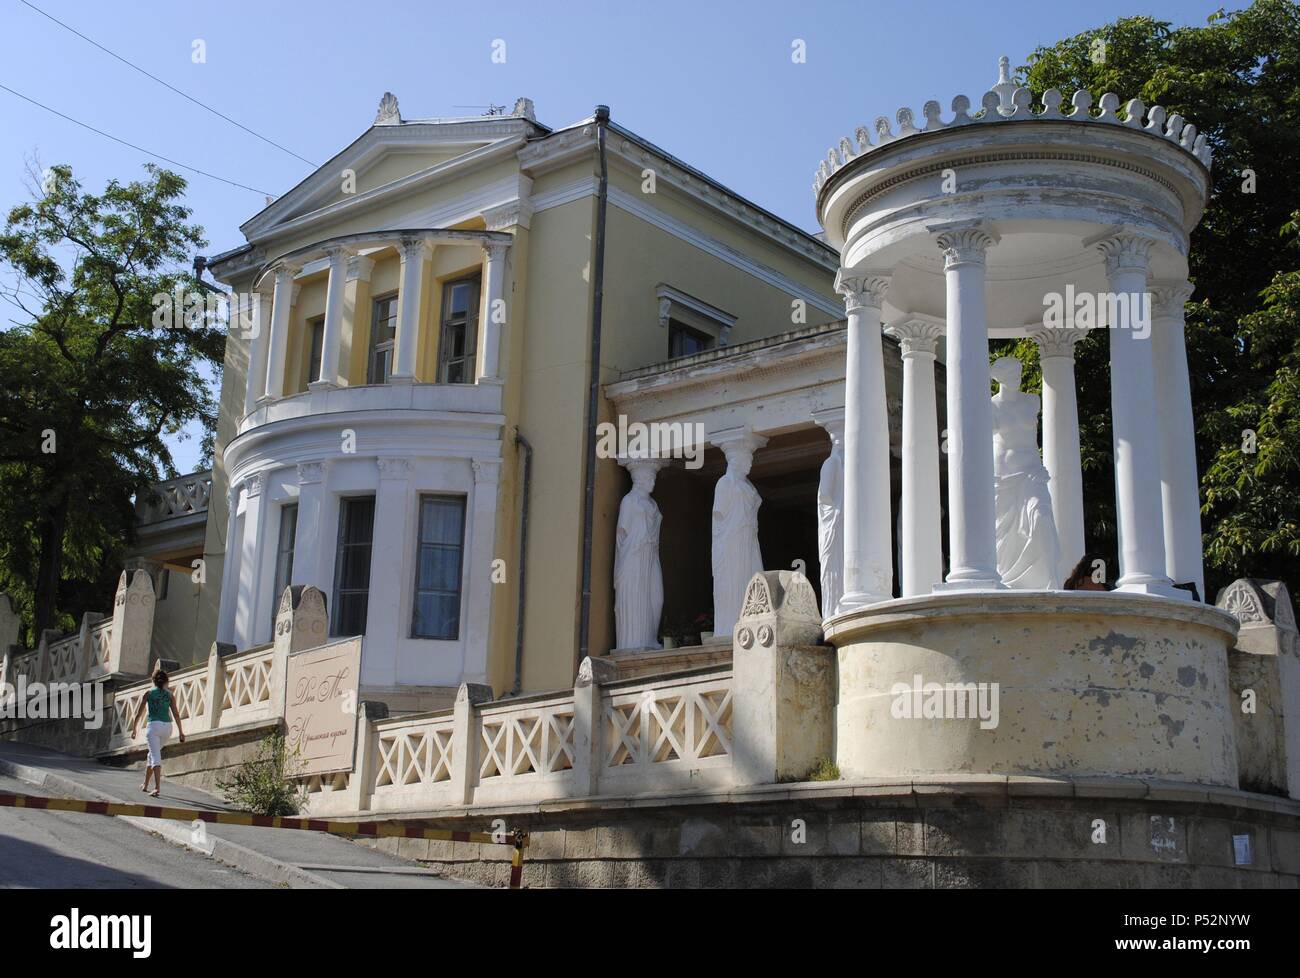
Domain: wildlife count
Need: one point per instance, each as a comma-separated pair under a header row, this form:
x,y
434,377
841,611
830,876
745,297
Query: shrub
x,y
266,784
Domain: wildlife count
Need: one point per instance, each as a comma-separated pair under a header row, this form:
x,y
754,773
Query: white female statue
x,y
1028,548
830,523
638,576
736,555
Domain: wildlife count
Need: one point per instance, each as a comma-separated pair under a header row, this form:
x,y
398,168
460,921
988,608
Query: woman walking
x,y
162,708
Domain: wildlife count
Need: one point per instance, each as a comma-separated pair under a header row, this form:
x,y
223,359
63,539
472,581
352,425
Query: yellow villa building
x,y
410,354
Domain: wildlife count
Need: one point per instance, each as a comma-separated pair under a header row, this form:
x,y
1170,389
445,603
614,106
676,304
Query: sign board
x,y
320,706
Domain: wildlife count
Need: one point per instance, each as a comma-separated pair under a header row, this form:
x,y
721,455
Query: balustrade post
x,y
592,675
216,686
361,782
465,739
131,639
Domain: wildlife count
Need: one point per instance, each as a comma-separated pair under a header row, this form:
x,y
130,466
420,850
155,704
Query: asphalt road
x,y
60,849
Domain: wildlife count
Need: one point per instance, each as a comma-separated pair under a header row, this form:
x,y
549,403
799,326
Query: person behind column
x,y
1027,546
638,576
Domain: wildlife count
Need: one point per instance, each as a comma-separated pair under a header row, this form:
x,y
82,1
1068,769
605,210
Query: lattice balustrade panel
x,y
126,703
538,741
417,756
100,653
668,723
190,695
248,683
63,660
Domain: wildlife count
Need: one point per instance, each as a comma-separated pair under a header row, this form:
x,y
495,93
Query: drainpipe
x,y
521,443
593,390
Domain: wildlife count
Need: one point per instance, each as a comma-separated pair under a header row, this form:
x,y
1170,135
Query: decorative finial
x,y
388,114
524,109
1005,89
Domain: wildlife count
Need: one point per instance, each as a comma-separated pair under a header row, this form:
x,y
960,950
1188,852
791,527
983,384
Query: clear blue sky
x,y
713,83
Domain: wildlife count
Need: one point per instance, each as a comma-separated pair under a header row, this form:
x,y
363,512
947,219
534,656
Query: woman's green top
x,y
160,705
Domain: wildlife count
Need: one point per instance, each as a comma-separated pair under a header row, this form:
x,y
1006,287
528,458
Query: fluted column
x,y
314,539
971,516
255,315
920,516
229,571
246,607
1133,420
332,334
282,301
495,310
868,536
1061,440
1179,484
390,581
415,251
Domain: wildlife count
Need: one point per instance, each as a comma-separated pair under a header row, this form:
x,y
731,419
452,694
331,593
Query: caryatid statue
x,y
1027,544
638,576
830,519
736,555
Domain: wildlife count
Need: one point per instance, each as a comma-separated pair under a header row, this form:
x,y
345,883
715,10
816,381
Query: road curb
x,y
231,853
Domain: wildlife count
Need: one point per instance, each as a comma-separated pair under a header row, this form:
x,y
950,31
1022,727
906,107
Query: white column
x,y
1133,420
971,517
1061,440
1179,484
229,572
255,320
868,536
480,585
313,540
386,626
332,334
281,308
246,608
495,310
920,517
414,253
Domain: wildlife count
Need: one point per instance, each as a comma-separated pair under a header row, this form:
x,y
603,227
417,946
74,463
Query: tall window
x,y
284,554
459,331
437,567
383,331
352,565
317,328
683,341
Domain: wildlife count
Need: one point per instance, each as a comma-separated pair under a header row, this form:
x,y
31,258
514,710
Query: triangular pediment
x,y
387,161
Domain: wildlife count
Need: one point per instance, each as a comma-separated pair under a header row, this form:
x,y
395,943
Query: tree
x,y
1238,79
92,379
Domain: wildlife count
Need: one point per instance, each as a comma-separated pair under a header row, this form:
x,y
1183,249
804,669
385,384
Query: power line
x,y
138,149
173,88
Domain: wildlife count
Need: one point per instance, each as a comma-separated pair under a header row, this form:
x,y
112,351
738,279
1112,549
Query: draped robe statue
x,y
736,556
830,528
638,576
1027,544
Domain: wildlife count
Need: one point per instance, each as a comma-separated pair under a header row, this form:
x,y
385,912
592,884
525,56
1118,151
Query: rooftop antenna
x,y
492,109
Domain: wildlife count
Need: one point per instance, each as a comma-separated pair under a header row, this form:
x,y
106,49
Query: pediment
x,y
386,161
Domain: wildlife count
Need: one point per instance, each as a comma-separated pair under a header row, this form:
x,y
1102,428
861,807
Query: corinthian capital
x,y
915,336
1126,252
964,246
1057,341
1168,298
415,249
861,290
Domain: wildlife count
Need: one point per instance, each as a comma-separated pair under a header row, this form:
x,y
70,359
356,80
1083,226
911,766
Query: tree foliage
x,y
1238,79
90,383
